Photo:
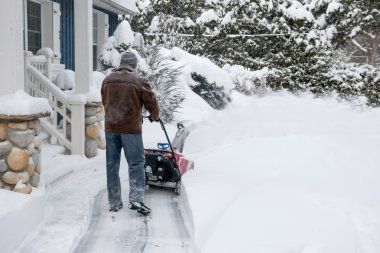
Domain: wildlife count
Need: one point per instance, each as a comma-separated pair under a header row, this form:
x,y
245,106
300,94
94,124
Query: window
x,y
94,40
34,26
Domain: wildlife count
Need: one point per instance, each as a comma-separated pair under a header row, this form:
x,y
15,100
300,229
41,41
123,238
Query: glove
x,y
151,119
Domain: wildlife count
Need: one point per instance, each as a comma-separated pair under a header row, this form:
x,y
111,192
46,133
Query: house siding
x,y
67,35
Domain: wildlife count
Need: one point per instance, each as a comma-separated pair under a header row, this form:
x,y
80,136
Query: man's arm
x,y
150,101
102,91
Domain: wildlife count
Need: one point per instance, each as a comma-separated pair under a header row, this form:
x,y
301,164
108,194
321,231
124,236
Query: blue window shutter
x,y
67,33
113,22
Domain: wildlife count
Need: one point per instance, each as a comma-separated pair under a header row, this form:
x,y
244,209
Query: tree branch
x,y
372,36
359,46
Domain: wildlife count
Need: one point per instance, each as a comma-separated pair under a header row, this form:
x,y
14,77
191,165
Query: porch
x,y
74,46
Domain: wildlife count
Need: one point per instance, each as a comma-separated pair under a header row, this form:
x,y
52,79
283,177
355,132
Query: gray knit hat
x,y
128,59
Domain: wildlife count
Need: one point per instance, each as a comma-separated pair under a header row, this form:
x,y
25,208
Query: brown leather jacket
x,y
124,93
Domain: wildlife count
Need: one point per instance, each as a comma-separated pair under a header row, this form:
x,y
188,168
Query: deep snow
x,y
286,174
277,174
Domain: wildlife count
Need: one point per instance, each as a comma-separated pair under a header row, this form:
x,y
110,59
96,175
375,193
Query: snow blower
x,y
165,166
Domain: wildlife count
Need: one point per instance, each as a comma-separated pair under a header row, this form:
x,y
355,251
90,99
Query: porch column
x,y
83,45
83,72
11,46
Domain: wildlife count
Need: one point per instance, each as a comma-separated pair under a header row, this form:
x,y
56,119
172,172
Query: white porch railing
x,y
68,111
42,64
38,85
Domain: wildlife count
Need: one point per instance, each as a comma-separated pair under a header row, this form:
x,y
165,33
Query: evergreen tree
x,y
164,77
359,23
295,41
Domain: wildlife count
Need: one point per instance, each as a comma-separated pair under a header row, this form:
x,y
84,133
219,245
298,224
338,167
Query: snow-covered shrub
x,y
122,39
214,95
351,80
247,81
164,78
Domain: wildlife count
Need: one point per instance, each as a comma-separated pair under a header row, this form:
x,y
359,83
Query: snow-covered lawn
x,y
273,174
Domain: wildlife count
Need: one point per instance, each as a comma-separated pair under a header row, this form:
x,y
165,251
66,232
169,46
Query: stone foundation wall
x,y
20,166
95,137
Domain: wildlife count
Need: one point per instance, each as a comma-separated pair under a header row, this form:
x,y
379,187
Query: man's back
x,y
124,93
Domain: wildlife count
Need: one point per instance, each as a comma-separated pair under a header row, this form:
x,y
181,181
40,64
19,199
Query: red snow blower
x,y
165,166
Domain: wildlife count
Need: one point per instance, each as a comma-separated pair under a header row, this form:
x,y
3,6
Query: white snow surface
x,y
94,94
227,19
297,11
20,103
65,80
45,51
202,66
19,215
273,174
247,80
111,57
332,7
207,17
154,24
282,174
189,22
124,33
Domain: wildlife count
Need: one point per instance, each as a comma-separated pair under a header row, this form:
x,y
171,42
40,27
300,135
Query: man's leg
x,y
134,153
113,150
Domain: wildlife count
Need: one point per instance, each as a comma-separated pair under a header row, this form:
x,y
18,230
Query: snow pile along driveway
x,y
286,174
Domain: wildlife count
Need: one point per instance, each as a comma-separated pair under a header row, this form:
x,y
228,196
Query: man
x,y
124,93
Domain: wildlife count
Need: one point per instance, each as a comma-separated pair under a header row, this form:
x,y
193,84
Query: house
x,y
74,30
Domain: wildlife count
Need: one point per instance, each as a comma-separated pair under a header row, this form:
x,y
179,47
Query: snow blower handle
x,y
166,134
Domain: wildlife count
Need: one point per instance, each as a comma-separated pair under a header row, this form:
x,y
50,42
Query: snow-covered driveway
x,y
78,219
165,230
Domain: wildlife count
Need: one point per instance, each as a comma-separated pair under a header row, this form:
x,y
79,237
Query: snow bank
x,y
19,215
202,66
20,103
286,174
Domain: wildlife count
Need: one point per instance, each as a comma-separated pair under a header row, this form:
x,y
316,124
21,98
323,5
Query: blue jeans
x,y
133,147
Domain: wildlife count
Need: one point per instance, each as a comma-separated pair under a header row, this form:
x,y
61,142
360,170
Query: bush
x,y
164,77
212,94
